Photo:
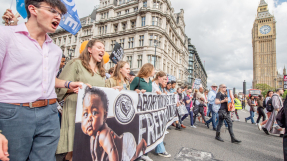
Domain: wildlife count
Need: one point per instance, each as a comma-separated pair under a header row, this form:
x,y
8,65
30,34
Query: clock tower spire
x,y
264,47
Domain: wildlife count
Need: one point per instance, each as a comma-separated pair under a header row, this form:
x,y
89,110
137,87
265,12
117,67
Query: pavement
x,y
255,145
192,144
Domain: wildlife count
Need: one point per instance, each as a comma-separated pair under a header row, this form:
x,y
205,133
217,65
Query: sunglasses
x,y
223,87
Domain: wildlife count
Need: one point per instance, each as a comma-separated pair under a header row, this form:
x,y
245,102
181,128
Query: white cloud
x,y
221,33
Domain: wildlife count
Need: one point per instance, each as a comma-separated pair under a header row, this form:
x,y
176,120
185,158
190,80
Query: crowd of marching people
x,y
42,83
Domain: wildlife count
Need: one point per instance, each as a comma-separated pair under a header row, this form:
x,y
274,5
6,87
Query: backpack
x,y
269,106
264,103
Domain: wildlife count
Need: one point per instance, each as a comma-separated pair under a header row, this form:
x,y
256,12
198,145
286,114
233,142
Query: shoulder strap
x,y
138,86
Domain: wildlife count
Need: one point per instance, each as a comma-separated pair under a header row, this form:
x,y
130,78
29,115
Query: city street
x,y
256,145
200,143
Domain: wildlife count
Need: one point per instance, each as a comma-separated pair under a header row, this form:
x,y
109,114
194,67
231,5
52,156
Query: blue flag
x,y
20,6
70,23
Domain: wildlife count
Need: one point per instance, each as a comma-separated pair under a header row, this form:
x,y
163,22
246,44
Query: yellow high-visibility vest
x,y
237,104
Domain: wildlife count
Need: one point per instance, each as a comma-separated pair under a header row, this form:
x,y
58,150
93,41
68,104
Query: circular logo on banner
x,y
124,109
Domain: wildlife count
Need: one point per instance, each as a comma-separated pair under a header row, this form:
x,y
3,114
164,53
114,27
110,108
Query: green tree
x,y
264,88
284,95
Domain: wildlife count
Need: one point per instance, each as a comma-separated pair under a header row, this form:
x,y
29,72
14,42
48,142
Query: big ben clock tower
x,y
264,47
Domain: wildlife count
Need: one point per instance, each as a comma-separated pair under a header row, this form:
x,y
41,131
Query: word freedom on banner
x,y
131,123
70,23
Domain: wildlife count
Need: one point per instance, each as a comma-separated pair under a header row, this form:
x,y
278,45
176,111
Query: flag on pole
x,y
20,6
70,23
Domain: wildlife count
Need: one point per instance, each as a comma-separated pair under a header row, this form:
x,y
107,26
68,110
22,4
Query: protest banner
x,y
113,125
117,54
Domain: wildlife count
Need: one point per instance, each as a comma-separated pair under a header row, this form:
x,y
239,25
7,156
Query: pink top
x,y
27,71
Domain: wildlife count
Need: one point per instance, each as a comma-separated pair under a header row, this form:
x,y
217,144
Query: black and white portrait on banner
x,y
120,125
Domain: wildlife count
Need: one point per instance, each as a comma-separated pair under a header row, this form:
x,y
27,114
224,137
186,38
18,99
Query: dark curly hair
x,y
100,93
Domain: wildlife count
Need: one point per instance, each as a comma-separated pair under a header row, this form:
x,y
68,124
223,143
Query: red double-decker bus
x,y
254,92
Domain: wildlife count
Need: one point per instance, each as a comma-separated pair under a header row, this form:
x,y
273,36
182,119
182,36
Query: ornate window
x,y
131,42
139,61
141,40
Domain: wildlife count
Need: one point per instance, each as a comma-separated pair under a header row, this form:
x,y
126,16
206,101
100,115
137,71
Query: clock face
x,y
265,29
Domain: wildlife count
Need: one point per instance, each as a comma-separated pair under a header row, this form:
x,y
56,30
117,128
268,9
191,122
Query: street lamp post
x,y
70,53
155,45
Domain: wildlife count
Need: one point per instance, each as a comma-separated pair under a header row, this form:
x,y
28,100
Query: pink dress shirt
x,y
27,71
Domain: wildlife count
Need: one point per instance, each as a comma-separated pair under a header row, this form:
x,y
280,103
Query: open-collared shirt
x,y
211,97
27,71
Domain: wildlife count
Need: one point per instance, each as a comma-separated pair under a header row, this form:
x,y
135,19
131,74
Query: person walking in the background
x,y
131,76
188,104
251,103
173,90
211,99
260,109
277,104
238,106
110,72
62,65
199,103
268,96
184,91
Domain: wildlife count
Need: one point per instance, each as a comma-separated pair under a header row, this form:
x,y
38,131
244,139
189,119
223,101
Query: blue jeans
x,y
251,117
191,116
209,109
160,148
213,117
32,133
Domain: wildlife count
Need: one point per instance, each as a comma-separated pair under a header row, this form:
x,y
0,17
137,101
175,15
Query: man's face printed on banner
x,y
93,115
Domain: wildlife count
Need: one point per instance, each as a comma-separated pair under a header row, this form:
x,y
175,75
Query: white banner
x,y
131,123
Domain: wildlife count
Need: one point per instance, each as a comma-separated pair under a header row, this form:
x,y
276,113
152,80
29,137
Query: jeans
x,y
213,117
160,148
32,133
261,114
223,115
209,109
191,116
251,117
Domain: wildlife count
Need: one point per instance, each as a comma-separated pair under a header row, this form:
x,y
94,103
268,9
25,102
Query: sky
x,y
221,33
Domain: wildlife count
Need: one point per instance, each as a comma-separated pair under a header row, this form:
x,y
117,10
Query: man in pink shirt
x,y
29,63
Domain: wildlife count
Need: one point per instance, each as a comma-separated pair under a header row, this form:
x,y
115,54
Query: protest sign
x,y
117,54
126,124
196,83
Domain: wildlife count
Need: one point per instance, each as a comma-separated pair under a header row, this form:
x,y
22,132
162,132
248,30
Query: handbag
x,y
182,110
216,107
280,118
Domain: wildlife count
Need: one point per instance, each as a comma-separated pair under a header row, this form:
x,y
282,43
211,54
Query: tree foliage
x,y
264,88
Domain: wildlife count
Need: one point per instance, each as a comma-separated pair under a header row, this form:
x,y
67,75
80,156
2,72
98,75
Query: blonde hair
x,y
117,74
145,70
85,59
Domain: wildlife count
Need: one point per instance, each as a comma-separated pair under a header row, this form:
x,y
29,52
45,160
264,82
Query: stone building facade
x,y
137,25
264,47
195,67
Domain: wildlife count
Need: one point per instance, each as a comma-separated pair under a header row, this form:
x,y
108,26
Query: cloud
x,y
221,33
